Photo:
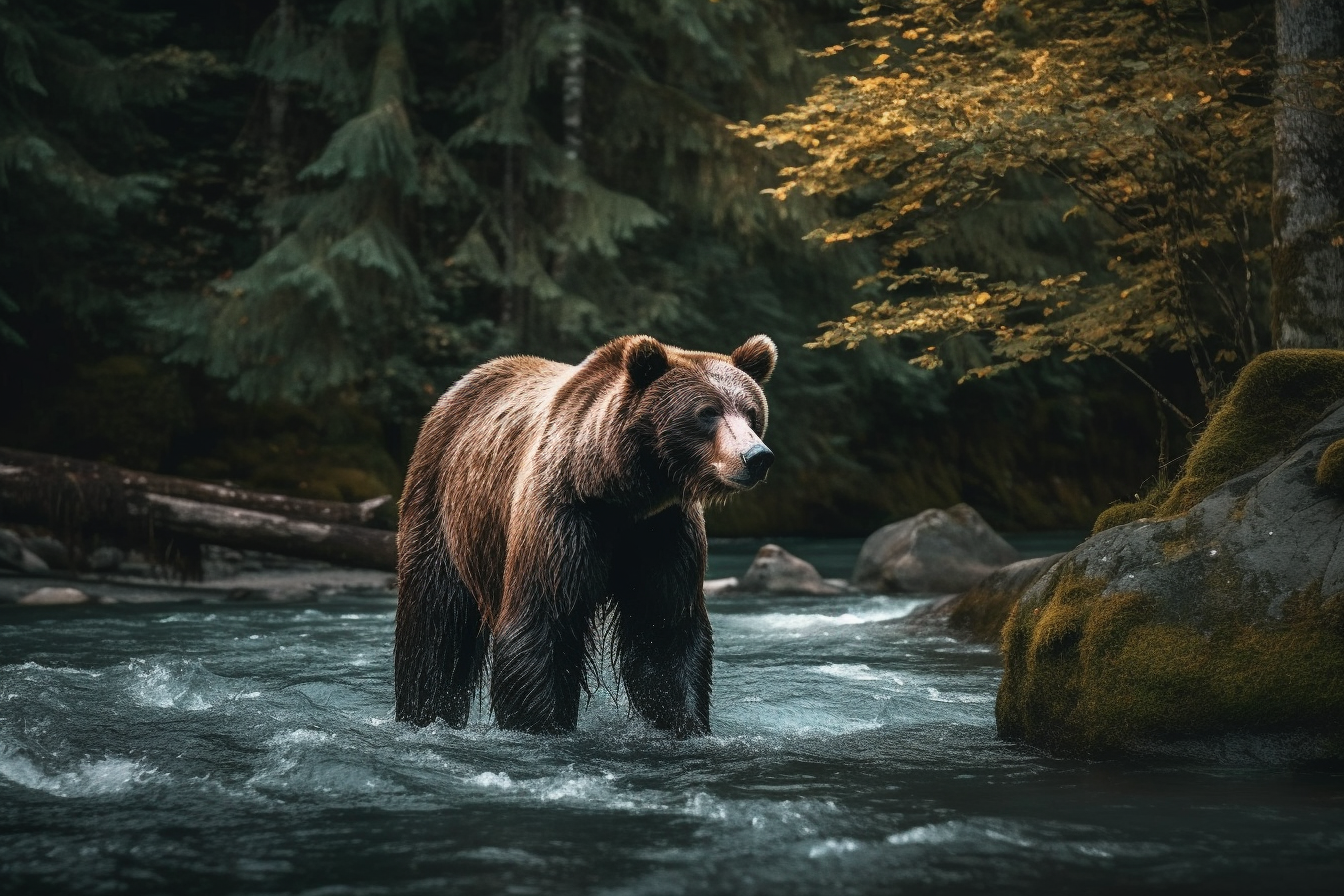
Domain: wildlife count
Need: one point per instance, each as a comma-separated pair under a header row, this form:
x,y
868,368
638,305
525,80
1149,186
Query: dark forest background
x,y
254,241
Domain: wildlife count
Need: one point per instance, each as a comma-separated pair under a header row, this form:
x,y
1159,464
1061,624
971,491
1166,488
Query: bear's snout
x,y
757,461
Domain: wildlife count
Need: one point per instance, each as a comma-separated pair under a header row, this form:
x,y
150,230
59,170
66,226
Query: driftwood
x,y
85,501
234,527
360,514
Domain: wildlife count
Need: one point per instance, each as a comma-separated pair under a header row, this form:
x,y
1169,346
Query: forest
x,y
1042,298
253,241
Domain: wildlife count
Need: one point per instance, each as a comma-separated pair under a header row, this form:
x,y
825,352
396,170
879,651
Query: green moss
x,y
335,453
1278,397
1119,514
981,612
983,609
124,410
1097,674
1330,468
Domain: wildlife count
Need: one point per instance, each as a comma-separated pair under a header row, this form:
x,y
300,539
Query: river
x,y
250,748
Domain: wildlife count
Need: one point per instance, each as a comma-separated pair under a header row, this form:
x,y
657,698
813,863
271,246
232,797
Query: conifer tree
x,y
69,131
343,285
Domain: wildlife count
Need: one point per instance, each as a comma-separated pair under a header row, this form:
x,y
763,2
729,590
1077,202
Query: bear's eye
x,y
708,415
751,419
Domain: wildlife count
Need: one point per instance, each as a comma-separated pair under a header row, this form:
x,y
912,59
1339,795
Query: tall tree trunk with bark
x,y
1307,297
510,314
571,93
279,164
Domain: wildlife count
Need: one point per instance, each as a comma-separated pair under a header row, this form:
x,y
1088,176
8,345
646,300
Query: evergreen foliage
x,y
77,75
328,210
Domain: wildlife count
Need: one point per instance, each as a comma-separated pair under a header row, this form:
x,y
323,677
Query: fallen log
x,y
234,527
360,514
85,503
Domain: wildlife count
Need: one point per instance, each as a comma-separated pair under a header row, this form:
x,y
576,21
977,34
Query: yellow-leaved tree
x,y
1155,114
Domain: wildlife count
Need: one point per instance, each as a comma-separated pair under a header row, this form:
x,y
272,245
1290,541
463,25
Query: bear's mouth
x,y
742,483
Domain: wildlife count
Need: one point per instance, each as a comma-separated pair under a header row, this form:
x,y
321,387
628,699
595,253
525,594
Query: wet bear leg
x,y
556,575
664,645
440,643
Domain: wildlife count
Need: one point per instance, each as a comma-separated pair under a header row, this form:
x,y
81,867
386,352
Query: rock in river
x,y
981,610
938,551
1220,611
52,552
776,571
50,597
13,554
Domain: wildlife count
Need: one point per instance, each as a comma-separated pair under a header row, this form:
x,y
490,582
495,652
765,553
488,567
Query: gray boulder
x,y
720,586
50,597
107,559
52,552
936,551
981,610
14,555
776,571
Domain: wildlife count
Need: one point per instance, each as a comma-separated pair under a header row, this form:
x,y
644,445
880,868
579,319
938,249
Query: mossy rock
x,y
1217,611
334,453
1119,514
1094,673
1330,468
982,611
1275,399
124,410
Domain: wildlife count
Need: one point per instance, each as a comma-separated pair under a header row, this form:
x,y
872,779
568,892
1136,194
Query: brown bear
x,y
543,496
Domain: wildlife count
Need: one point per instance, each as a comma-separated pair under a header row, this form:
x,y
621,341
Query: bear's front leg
x,y
664,644
555,576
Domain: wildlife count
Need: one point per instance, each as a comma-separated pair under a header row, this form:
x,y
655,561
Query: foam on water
x,y
876,609
858,672
596,791
832,848
86,778
28,669
939,697
172,685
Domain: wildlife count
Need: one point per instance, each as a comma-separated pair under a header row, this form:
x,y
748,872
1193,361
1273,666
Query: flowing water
x,y
251,749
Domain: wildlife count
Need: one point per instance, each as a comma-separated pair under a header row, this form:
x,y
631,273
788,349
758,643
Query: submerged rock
x,y
1222,612
107,559
776,571
50,597
720,586
937,550
981,610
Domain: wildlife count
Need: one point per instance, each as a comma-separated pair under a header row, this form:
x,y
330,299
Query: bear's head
x,y
701,414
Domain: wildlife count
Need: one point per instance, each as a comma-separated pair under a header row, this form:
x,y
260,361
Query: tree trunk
x,y
278,164
509,315
251,530
1307,297
571,94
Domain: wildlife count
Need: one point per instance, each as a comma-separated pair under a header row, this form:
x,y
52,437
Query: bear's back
x,y
486,430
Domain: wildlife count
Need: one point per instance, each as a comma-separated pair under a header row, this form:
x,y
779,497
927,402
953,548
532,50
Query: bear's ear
x,y
645,360
756,358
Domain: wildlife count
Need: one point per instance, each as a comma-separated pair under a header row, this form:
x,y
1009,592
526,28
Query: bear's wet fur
x,y
541,495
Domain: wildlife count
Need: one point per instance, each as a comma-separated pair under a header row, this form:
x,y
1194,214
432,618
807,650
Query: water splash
x,y
87,778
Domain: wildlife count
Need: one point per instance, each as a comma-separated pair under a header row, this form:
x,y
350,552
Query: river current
x,y
250,748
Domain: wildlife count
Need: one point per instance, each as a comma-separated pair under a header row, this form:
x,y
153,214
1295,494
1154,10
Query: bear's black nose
x,y
757,461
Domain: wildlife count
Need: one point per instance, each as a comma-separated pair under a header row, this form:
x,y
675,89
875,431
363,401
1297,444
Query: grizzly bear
x,y
543,498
